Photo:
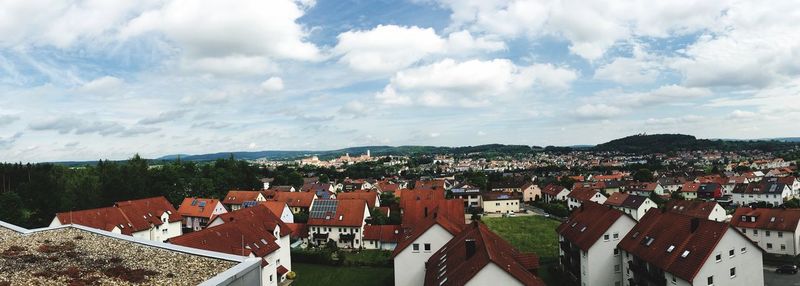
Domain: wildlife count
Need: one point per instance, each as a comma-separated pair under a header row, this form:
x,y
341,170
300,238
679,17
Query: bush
x,y
315,256
380,258
291,275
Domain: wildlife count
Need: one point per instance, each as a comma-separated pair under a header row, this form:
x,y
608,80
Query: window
x,y
415,247
769,245
783,246
616,268
427,247
767,234
670,248
710,280
674,281
685,253
497,204
731,253
719,257
616,235
270,277
616,251
733,272
744,231
605,237
780,234
744,249
755,232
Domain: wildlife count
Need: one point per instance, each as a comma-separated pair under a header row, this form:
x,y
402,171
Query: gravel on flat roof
x,y
70,256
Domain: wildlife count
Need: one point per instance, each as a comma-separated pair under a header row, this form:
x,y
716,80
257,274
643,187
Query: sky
x,y
98,79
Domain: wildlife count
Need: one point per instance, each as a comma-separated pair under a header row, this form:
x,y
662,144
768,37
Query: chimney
x,y
426,211
695,223
469,244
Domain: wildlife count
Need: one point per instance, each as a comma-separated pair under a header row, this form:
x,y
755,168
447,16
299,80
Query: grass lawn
x,y
323,275
530,234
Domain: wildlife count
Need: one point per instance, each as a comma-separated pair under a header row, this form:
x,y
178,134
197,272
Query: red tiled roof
x,y
298,229
275,207
582,195
236,197
552,189
612,177
101,218
348,213
416,211
690,187
412,196
698,209
280,188
370,197
259,213
459,269
666,229
413,231
257,236
429,185
383,233
282,270
198,207
616,199
586,224
143,213
772,219
296,199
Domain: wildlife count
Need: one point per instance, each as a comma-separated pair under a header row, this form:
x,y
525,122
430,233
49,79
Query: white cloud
x,y
220,32
6,119
7,142
470,83
102,85
272,84
596,111
741,114
69,124
388,48
662,95
164,117
641,68
674,120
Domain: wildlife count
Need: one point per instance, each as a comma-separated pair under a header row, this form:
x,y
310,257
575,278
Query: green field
x,y
323,275
530,234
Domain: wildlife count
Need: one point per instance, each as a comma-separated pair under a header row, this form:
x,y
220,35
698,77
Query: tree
x,y
676,195
388,199
296,180
301,217
377,217
324,179
643,175
11,210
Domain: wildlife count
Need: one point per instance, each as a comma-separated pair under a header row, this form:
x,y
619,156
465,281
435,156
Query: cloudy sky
x,y
90,79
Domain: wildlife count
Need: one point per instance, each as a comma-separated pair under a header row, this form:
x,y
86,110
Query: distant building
x,y
197,212
709,210
770,191
633,205
297,201
469,193
577,197
774,230
340,221
235,198
384,237
502,203
553,192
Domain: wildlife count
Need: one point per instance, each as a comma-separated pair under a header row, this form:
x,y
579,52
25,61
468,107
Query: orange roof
x,y
616,199
699,209
774,219
347,213
237,197
383,233
260,213
411,196
128,216
586,224
101,218
198,207
275,207
690,187
295,199
370,197
416,211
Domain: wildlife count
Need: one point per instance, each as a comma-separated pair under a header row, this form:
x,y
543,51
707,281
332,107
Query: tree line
x,y
31,194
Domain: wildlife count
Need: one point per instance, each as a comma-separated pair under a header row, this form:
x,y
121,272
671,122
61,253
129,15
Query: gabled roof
x,y
634,201
256,235
582,195
343,213
412,231
198,207
658,232
237,197
698,209
616,199
690,187
642,186
314,187
437,184
260,213
772,219
370,197
416,211
553,189
275,207
451,265
129,216
298,230
383,233
411,196
586,224
295,199
766,186
709,188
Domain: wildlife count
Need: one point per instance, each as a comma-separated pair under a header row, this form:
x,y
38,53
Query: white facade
x,y
491,274
638,213
601,265
718,214
531,193
286,215
772,199
409,264
198,223
573,203
746,264
774,241
335,232
159,233
501,206
561,196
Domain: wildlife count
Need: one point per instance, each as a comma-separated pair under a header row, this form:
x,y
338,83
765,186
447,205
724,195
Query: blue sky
x,y
91,79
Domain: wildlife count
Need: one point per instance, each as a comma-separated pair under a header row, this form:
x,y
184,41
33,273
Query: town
x,y
572,217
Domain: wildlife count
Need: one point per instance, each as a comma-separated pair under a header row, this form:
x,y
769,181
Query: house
x,y
500,203
151,219
197,212
645,188
297,201
531,192
577,197
341,221
234,199
252,232
423,235
282,189
709,210
689,190
408,197
792,182
774,230
435,184
384,237
469,193
770,191
633,205
509,186
668,248
280,209
588,241
671,184
317,186
709,191
477,256
371,197
553,192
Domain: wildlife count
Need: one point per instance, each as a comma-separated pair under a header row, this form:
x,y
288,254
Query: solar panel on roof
x,y
249,204
202,204
321,207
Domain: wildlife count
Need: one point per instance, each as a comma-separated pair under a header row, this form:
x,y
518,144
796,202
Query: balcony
x,y
347,237
643,276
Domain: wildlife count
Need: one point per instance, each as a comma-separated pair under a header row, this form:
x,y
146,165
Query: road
x,y
774,279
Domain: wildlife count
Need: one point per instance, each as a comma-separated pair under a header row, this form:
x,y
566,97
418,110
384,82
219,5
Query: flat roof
x,y
76,254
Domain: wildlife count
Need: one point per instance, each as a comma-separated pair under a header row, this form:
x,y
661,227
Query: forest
x,y
31,194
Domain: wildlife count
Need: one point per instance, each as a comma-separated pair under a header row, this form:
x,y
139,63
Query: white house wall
x,y
409,265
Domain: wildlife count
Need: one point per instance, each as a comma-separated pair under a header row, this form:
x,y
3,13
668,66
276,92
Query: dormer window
x,y
635,234
648,240
752,219
744,218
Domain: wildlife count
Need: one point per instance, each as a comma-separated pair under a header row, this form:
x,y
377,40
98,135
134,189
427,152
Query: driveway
x,y
773,279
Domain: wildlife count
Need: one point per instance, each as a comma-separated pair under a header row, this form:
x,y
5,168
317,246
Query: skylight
x,y
684,254
670,248
573,224
583,229
772,219
635,234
